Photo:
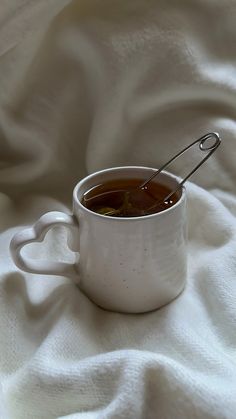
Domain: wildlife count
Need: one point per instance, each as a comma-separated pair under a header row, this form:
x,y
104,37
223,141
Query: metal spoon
x,y
205,144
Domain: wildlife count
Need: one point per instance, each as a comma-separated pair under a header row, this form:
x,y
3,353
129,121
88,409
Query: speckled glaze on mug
x,y
130,265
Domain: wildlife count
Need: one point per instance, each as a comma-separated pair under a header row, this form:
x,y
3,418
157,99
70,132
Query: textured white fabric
x,y
92,84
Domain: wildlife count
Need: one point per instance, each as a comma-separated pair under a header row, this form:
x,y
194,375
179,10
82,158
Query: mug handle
x,y
36,233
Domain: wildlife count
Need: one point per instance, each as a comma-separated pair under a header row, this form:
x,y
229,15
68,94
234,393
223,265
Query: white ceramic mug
x,y
130,265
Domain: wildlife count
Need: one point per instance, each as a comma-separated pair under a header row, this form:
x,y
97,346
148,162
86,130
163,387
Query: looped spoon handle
x,y
203,146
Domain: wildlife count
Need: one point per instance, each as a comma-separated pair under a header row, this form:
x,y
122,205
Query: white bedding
x,y
87,85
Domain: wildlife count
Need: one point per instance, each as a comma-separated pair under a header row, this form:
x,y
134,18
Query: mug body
x,y
134,264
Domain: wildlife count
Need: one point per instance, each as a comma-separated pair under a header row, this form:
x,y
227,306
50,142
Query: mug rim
x,y
142,217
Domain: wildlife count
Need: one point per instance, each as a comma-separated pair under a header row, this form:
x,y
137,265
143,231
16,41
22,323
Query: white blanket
x,y
92,84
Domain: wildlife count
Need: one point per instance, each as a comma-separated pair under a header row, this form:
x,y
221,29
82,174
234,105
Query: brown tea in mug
x,y
124,198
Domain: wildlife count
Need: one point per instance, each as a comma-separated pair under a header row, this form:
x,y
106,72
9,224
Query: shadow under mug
x,y
130,265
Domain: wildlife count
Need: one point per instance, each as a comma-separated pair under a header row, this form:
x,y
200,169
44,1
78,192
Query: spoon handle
x,y
205,144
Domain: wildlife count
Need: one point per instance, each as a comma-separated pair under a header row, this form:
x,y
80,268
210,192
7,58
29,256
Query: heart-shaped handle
x,y
36,233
